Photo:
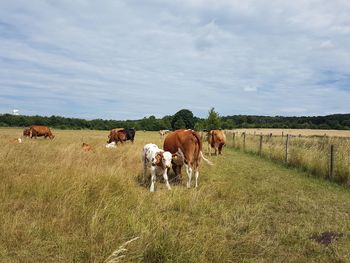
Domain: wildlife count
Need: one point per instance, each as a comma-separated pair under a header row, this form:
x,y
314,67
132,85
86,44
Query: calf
x,y
86,147
15,141
158,162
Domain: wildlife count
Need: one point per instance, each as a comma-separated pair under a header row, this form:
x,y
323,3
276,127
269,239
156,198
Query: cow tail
x,y
198,140
205,159
200,149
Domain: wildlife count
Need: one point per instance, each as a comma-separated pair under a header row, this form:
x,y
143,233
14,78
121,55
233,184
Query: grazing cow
x,y
163,132
216,140
26,132
40,130
186,148
121,135
158,161
86,147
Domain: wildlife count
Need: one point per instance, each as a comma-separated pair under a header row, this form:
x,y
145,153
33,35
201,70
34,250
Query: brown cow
x,y
86,147
216,139
117,135
26,132
186,148
40,130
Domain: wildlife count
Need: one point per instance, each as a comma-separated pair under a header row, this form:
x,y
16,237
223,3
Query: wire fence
x,y
327,157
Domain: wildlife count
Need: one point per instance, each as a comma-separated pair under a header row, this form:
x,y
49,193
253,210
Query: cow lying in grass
x,y
158,161
86,147
15,141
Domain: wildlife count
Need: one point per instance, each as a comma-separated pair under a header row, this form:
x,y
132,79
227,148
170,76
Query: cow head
x,y
51,136
162,159
178,158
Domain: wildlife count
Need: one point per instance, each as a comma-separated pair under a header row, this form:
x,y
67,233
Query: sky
x,y
129,59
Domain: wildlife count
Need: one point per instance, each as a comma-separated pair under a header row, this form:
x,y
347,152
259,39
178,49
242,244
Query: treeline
x,y
183,119
335,121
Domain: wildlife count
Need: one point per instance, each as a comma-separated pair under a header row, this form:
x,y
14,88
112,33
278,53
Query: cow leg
x,y
165,175
197,175
189,174
144,170
220,148
153,178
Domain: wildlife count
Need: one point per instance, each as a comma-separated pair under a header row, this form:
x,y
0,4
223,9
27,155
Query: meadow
x,y
60,204
306,150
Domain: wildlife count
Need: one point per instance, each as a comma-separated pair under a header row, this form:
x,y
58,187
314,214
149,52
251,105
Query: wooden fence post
x,y
331,162
260,145
286,152
244,141
282,134
233,139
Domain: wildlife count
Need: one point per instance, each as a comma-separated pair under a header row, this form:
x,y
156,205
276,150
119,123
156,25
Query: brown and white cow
x,y
186,148
40,130
121,135
163,132
116,135
217,140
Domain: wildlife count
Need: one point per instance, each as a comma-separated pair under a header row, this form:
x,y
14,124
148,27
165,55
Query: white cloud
x,y
120,59
250,89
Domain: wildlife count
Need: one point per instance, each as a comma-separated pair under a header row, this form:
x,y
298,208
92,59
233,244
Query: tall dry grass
x,y
60,204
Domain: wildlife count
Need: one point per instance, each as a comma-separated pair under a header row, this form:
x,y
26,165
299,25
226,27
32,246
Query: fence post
x,y
233,139
282,134
331,162
260,145
244,142
286,152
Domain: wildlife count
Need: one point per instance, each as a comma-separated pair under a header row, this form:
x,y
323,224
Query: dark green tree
x,y
213,121
179,124
187,118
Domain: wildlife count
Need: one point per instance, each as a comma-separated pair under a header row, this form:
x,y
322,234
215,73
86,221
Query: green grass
x,y
310,154
59,204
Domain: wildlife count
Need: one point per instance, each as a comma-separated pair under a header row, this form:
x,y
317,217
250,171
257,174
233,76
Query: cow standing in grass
x,y
186,148
216,140
158,161
40,130
121,135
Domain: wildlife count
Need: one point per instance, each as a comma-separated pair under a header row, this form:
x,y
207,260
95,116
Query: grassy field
x,y
309,153
59,204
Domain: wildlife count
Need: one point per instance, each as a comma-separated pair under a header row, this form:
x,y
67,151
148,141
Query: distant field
x,y
296,132
59,204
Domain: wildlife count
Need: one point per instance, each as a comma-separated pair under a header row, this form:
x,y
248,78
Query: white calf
x,y
158,161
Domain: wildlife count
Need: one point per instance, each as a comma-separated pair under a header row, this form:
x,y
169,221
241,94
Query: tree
x,y
187,118
179,124
213,121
